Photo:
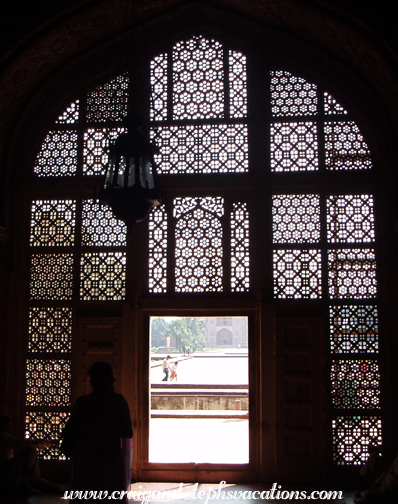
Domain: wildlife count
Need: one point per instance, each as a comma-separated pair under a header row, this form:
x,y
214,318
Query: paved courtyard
x,y
211,440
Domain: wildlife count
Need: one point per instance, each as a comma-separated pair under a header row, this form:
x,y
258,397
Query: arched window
x,y
320,225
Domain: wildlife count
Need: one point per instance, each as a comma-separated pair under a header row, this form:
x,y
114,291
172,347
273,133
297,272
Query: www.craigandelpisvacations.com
x,y
220,494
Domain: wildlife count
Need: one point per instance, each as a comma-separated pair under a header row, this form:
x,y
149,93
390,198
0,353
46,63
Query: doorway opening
x,y
200,413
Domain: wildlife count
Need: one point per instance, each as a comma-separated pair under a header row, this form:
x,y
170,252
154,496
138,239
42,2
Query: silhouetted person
x,y
98,423
19,464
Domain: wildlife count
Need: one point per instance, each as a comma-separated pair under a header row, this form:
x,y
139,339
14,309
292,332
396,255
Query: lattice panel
x,y
96,144
58,155
108,101
292,95
331,107
237,85
50,330
159,88
198,79
294,147
202,149
297,274
350,218
352,436
240,248
100,228
352,273
158,249
46,425
71,114
345,148
103,276
296,218
355,384
354,329
48,382
52,223
51,277
198,245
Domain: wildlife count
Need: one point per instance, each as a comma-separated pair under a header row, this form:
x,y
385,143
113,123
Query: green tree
x,y
159,326
190,331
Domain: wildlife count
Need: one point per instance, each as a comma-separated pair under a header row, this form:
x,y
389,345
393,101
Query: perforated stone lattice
x,y
108,101
159,88
53,223
352,436
355,384
352,273
296,218
331,106
198,79
158,255
237,85
48,382
345,147
292,95
240,248
50,329
350,218
202,148
354,329
96,144
71,114
51,277
100,228
46,425
103,276
198,244
58,154
294,147
297,274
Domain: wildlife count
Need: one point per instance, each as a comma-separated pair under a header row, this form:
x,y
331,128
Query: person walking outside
x,y
173,369
166,368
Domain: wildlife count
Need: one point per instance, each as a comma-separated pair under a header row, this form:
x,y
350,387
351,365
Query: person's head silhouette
x,y
101,376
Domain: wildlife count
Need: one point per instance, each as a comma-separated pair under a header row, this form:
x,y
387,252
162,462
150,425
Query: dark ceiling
x,y
21,18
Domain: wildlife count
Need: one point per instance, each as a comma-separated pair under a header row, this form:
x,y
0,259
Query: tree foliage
x,y
190,331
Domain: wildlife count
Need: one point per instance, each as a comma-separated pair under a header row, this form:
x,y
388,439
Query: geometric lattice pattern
x,y
345,148
202,148
237,85
103,276
297,274
158,110
354,329
96,144
100,228
52,223
350,218
198,79
71,114
352,436
296,218
157,227
331,107
46,425
51,276
198,244
355,384
291,95
48,382
50,330
240,257
108,101
352,273
58,155
294,147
